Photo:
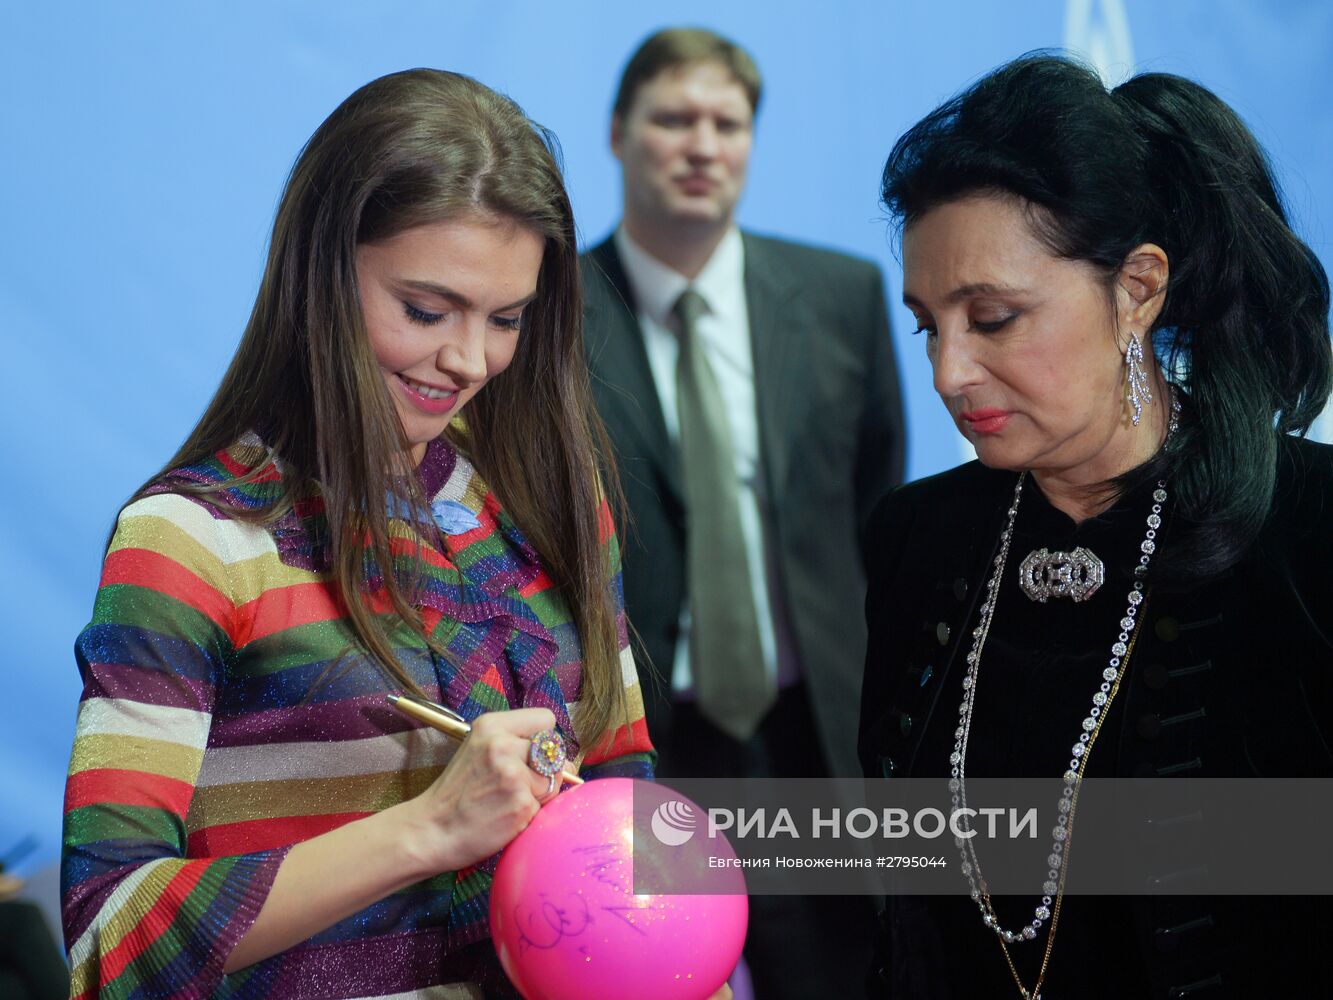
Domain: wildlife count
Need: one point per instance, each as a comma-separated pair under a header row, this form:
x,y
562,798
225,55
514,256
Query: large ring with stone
x,y
1076,575
546,754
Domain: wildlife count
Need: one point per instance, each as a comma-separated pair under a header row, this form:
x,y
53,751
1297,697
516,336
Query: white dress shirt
x,y
724,333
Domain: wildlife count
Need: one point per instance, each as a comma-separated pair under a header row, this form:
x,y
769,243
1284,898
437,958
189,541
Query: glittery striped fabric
x,y
225,716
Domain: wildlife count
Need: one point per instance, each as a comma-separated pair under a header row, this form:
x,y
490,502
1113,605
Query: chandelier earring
x,y
1139,394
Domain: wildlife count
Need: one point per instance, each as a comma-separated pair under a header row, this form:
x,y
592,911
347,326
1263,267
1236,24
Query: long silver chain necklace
x,y
1091,724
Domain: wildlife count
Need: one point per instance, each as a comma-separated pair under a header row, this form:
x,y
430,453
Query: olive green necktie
x,y
733,686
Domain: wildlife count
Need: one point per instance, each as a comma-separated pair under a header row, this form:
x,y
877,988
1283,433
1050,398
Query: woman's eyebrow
x,y
966,291
461,300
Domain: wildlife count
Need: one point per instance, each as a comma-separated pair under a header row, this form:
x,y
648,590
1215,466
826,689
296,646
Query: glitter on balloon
x,y
568,925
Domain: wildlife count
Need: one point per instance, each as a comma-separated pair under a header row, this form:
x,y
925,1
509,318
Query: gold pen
x,y
449,722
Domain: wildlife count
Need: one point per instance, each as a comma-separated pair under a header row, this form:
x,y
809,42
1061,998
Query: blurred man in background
x,y
749,388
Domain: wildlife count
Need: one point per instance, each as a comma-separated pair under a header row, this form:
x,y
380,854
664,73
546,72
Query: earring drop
x,y
1139,394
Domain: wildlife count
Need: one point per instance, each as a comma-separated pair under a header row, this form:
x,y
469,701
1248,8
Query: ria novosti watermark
x,y
1120,836
674,822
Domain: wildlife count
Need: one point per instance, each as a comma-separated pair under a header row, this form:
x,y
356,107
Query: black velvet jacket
x,y
1231,678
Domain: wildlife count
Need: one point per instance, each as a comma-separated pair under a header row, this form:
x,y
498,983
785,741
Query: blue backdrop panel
x,y
145,146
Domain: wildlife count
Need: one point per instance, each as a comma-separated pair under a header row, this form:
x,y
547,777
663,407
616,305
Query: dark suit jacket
x,y
1232,678
831,444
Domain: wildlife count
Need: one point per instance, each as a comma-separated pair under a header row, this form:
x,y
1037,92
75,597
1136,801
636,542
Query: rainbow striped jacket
x,y
223,720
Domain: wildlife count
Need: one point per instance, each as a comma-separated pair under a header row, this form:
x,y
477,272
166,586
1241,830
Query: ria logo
x,y
674,822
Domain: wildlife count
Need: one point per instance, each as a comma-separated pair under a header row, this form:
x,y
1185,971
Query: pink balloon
x,y
567,924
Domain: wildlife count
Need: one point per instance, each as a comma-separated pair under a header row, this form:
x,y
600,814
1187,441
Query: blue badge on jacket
x,y
453,518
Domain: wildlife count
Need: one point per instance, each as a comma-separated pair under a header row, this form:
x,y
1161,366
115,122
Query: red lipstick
x,y
985,421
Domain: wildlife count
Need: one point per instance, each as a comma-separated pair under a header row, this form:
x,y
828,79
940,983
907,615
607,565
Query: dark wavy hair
x,y
406,150
1243,330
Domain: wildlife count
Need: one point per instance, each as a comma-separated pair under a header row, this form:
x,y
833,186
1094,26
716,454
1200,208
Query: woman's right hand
x,y
486,795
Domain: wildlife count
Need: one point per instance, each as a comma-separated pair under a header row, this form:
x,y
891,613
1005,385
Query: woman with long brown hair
x,y
245,814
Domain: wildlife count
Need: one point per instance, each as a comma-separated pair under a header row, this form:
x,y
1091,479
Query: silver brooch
x,y
1075,575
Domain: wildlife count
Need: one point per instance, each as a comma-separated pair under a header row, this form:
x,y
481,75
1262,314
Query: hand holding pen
x,y
546,749
485,795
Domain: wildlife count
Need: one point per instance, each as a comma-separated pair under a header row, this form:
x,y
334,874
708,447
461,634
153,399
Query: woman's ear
x,y
1141,286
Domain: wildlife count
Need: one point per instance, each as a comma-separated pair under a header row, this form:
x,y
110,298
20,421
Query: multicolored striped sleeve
x,y
141,918
627,752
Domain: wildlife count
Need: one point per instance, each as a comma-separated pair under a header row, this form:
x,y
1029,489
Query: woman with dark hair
x,y
1131,579
245,814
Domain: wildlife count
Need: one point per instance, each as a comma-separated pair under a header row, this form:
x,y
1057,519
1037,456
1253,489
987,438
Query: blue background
x,y
144,148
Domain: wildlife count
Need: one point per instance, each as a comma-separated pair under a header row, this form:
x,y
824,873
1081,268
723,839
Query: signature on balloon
x,y
550,921
605,864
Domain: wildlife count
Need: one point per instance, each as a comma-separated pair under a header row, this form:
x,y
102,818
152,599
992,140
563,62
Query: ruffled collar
x,y
468,580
